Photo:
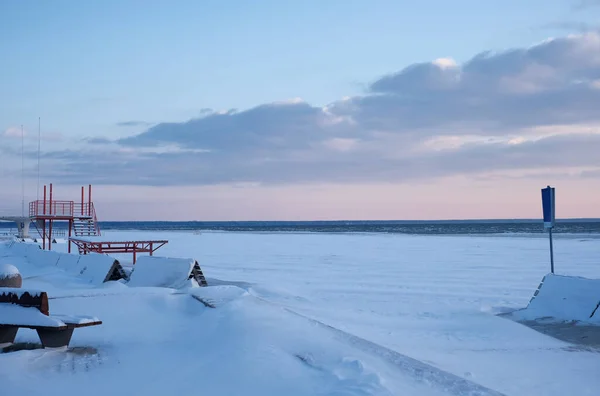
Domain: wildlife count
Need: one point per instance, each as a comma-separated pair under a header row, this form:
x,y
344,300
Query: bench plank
x,y
12,314
25,298
30,309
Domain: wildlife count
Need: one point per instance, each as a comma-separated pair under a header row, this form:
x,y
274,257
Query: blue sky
x,y
85,67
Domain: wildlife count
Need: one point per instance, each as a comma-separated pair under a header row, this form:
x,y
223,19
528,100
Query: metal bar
x,y
50,199
90,200
551,252
70,227
44,199
50,232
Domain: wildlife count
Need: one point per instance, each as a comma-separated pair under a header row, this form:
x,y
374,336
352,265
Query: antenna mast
x,y
38,164
22,172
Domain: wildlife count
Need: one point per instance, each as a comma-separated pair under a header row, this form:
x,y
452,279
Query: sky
x,y
311,110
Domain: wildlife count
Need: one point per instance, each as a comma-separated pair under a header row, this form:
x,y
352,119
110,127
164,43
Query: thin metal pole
x,y
551,252
90,200
39,147
70,228
22,172
50,221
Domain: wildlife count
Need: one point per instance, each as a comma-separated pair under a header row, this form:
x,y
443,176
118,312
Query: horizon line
x,y
355,221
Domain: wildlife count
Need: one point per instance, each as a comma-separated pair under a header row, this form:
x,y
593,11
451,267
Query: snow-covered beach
x,y
311,314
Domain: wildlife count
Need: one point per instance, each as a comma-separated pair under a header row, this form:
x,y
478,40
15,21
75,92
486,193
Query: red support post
x,y
134,254
50,199
44,232
90,200
44,199
70,228
50,225
50,235
82,199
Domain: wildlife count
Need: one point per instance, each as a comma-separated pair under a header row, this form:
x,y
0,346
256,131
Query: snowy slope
x,y
316,315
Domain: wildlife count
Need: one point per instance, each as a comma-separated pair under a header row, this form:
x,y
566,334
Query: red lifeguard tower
x,y
84,230
80,215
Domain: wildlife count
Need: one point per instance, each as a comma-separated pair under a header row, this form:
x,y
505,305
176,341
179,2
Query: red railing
x,y
61,209
93,214
64,209
54,208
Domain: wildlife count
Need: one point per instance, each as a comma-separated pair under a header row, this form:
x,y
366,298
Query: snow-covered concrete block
x,y
168,272
565,298
97,268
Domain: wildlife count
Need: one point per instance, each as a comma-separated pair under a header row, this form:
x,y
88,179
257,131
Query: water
x,y
450,227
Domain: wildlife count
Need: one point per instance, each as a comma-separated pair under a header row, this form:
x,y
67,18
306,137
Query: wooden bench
x,y
29,309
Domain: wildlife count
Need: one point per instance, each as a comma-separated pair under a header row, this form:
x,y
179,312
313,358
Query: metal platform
x,y
105,245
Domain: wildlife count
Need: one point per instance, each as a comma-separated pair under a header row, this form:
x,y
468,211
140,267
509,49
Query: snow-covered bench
x,y
30,309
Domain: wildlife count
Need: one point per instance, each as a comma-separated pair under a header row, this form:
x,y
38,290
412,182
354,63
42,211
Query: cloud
x,y
14,133
98,140
133,123
325,165
578,26
592,174
522,109
584,4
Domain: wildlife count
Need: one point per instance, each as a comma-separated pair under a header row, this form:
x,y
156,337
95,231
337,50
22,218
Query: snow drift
x,y
174,273
93,268
564,298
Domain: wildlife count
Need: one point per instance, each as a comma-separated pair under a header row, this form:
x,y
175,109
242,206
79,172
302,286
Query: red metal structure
x,y
87,245
84,231
81,216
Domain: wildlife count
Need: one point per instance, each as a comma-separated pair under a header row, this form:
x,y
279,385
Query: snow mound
x,y
93,268
174,273
564,298
12,314
8,271
218,296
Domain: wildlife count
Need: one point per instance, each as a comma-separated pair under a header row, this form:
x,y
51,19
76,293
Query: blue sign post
x,y
548,207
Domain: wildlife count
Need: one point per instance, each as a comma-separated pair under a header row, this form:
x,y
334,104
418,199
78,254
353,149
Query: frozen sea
x,y
333,311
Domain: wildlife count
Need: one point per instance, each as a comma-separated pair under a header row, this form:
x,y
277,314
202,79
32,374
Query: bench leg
x,y
8,334
55,338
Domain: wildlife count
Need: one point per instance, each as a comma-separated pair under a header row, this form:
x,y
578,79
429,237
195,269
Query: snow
x,y
111,238
78,320
8,271
565,298
316,314
161,272
12,314
19,292
91,268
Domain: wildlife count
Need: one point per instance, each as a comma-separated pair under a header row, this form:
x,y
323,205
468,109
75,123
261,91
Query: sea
x,y
424,227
